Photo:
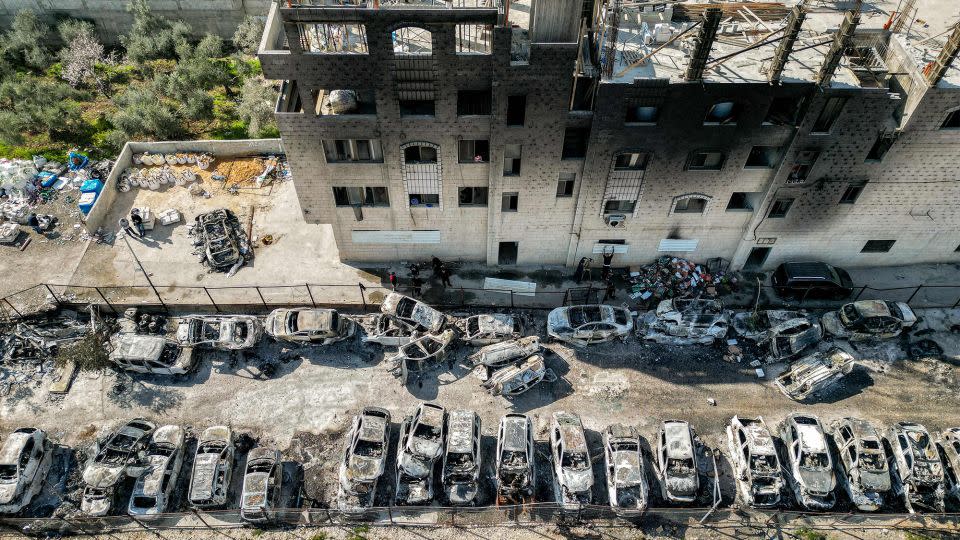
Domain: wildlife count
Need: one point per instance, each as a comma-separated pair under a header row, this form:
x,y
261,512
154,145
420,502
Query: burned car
x,y
783,334
686,321
584,325
918,473
421,353
815,374
119,454
515,380
808,458
515,470
626,474
949,448
413,311
862,467
309,325
753,458
262,484
572,469
505,353
869,319
212,468
461,462
222,241
412,490
754,325
150,354
421,439
677,462
388,331
488,329
364,458
151,493
25,460
224,332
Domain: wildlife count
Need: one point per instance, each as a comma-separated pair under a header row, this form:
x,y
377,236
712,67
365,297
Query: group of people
x,y
440,271
133,226
583,272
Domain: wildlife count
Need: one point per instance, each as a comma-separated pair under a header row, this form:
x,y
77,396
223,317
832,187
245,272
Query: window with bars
x,y
343,38
474,102
424,200
412,40
348,150
361,196
474,39
619,207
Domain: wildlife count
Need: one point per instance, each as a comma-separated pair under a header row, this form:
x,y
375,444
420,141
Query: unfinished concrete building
x,y
536,132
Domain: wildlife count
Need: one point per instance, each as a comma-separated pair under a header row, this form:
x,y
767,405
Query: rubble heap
x,y
668,277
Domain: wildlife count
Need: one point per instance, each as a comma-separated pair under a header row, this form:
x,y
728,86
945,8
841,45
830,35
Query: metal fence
x,y
490,516
264,297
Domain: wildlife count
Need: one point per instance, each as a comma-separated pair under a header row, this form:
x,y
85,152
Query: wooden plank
x,y
521,288
62,385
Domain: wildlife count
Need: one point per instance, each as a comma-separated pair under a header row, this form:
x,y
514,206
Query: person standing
x,y
417,286
607,263
611,291
394,281
445,276
137,220
125,226
437,264
578,274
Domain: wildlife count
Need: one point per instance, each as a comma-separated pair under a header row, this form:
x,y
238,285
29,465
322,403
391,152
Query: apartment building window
x,y
722,113
420,154
742,201
474,102
780,208
631,161
362,196
829,114
801,166
474,151
785,111
575,143
565,184
474,38
619,207
412,40
706,160
763,157
417,107
880,147
332,37
689,205
424,200
642,114
516,110
472,196
852,193
952,121
343,150
510,202
877,246
511,159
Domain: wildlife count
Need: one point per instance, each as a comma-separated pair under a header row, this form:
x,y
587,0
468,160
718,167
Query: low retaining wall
x,y
243,147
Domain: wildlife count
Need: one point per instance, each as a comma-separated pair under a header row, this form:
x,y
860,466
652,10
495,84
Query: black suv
x,y
799,280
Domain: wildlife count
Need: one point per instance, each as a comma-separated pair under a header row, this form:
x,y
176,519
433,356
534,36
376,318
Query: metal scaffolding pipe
x,y
938,68
703,43
791,32
841,42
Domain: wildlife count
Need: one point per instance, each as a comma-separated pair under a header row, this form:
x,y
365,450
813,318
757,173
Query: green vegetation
x,y
803,533
359,532
60,88
319,536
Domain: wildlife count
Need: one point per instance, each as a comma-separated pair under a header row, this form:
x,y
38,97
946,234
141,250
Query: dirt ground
x,y
301,400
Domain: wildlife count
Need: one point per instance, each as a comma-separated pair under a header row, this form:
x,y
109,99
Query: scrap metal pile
x,y
27,349
221,241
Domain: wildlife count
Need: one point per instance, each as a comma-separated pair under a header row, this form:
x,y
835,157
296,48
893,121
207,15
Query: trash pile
x,y
668,277
221,242
27,349
25,185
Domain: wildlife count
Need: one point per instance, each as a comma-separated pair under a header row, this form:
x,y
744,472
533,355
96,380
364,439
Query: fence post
x,y
15,310
310,294
453,517
109,305
363,298
461,297
957,303
389,508
261,295
511,298
53,294
148,529
914,293
215,306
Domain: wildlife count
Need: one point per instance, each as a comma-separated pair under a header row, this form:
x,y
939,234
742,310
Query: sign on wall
x,y
668,244
395,237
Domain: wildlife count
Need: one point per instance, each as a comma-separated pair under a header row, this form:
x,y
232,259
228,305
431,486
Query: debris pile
x,y
668,277
27,350
222,244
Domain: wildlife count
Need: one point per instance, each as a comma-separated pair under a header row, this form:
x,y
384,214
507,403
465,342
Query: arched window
x,y
690,203
412,40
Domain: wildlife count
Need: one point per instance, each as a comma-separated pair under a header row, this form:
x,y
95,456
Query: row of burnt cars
x,y
155,458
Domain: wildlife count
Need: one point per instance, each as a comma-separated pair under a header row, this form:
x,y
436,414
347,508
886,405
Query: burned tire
x,y
925,348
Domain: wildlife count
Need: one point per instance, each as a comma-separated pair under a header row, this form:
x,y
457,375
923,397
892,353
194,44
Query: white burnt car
x,y
515,380
150,354
421,439
24,463
505,353
677,462
224,332
626,473
364,458
862,467
413,311
808,458
815,374
212,468
515,467
388,331
918,473
784,334
588,324
572,468
461,461
151,493
421,353
755,325
686,321
753,458
487,329
869,319
262,486
309,325
949,448
120,454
